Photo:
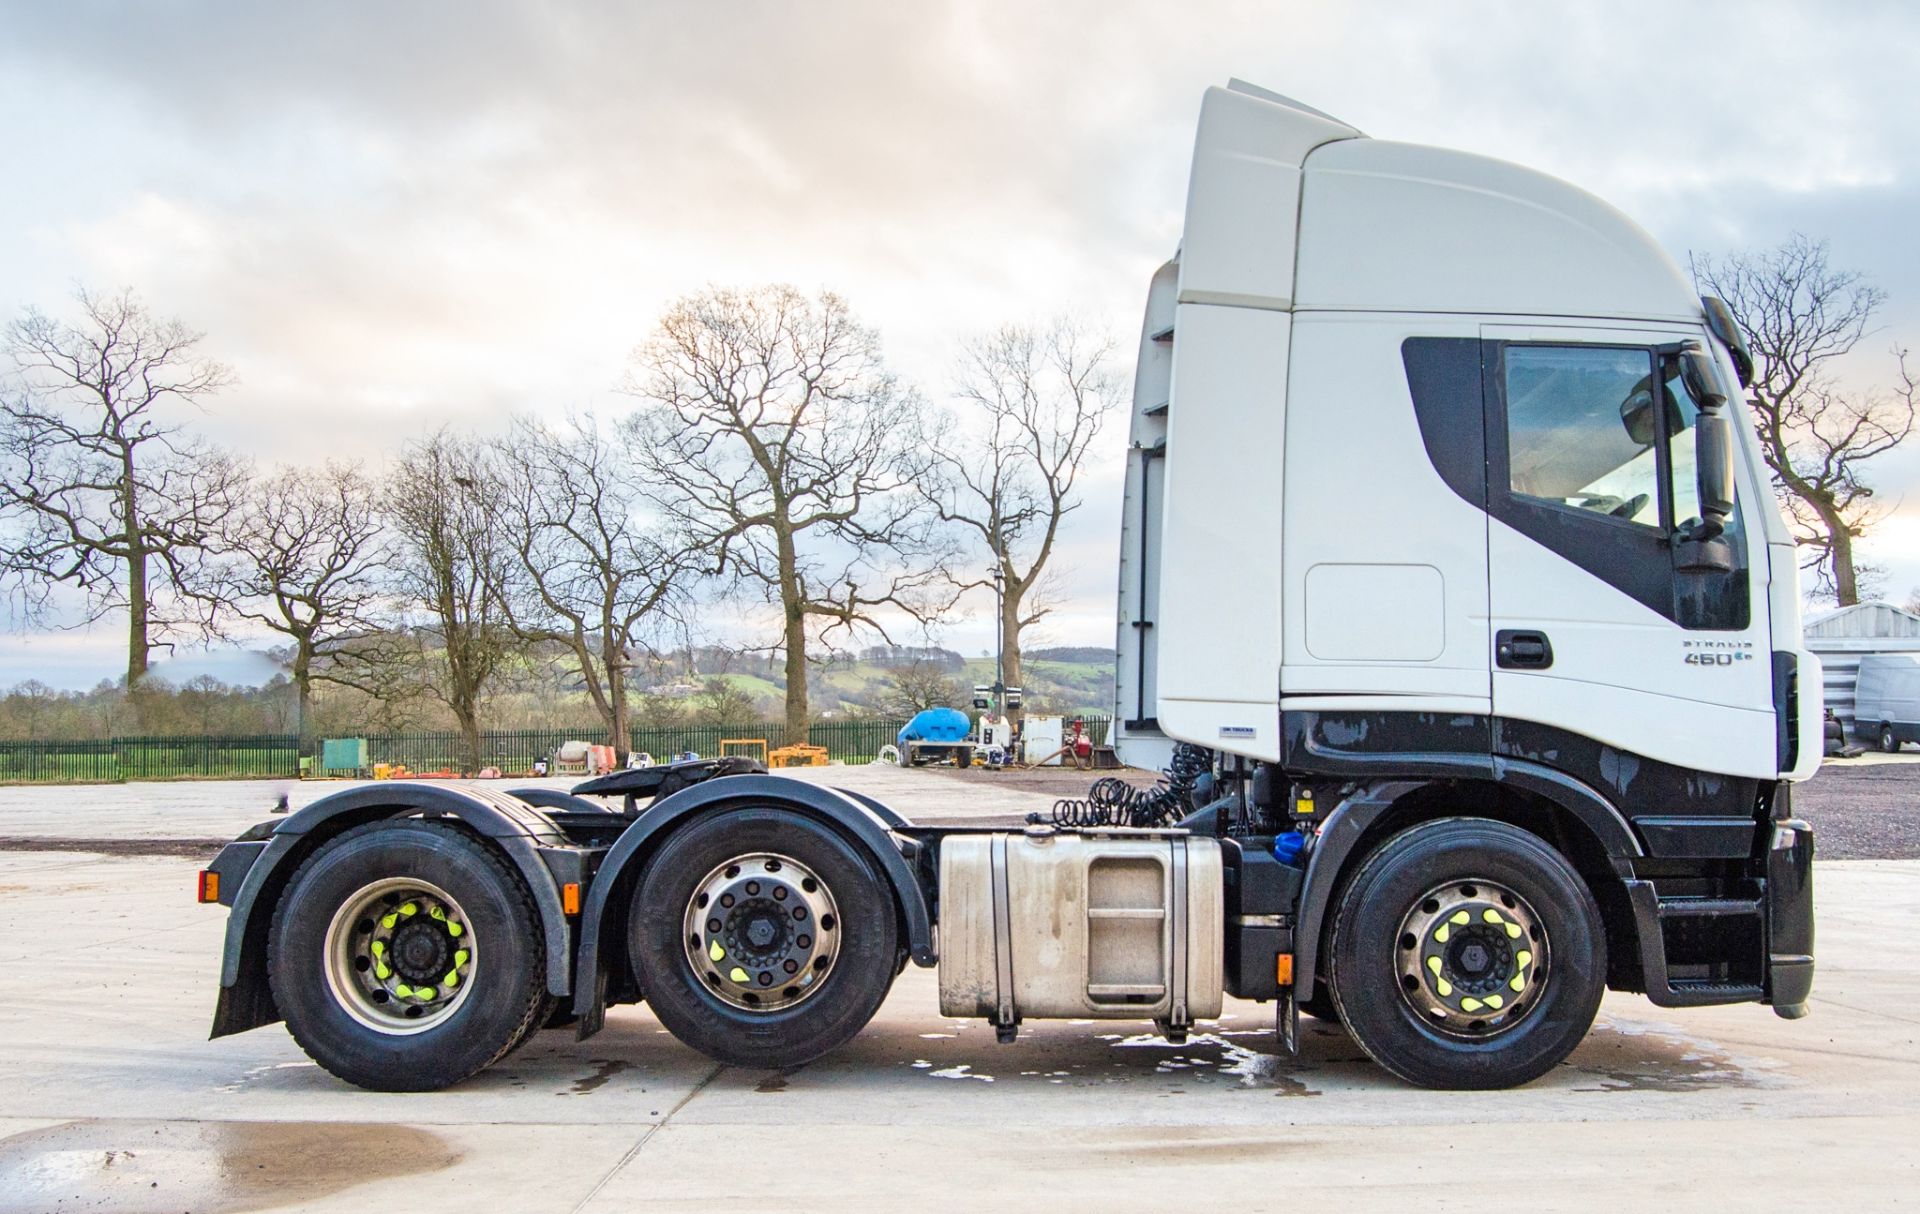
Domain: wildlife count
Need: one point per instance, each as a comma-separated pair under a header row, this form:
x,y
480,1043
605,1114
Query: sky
x,y
389,217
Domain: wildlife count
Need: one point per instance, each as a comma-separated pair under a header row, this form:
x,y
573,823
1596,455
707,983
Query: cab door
x,y
1604,628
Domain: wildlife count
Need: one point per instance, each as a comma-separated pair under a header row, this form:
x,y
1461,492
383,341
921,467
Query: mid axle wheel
x,y
762,937
764,931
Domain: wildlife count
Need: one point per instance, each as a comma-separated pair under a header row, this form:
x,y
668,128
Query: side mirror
x,y
1713,461
1696,371
1713,458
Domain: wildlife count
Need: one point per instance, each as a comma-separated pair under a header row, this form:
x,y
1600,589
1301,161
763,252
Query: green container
x,y
344,754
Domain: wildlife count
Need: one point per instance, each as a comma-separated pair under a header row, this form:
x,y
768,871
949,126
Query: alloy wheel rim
x,y
762,932
400,956
1472,958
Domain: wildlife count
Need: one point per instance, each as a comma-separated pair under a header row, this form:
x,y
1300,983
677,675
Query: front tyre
x,y
1888,742
762,938
406,956
1467,953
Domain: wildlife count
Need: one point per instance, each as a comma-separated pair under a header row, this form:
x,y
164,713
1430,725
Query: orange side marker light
x,y
209,885
1283,968
570,897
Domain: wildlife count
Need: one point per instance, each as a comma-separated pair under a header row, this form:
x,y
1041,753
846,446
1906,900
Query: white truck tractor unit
x,y
1453,602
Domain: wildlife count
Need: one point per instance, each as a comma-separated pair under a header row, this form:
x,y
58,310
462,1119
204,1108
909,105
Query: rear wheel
x,y
762,937
1467,953
1320,1005
1888,742
406,956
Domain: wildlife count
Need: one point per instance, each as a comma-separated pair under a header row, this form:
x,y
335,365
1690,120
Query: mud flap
x,y
1287,1017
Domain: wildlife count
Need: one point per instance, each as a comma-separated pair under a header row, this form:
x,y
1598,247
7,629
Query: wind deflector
x,y
1253,90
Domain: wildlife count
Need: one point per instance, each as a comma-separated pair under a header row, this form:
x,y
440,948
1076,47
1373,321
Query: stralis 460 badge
x,y
1717,653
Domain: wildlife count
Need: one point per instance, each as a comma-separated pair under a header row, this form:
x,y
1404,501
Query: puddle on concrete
x,y
1638,1056
1252,1068
253,1075
603,1070
962,1071
209,1167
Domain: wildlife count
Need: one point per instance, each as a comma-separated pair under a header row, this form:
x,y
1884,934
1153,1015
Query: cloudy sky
x,y
388,217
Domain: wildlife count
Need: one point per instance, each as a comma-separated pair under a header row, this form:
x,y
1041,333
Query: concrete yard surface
x,y
112,1098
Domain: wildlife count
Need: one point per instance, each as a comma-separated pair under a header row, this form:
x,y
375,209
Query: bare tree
x,y
920,684
34,704
721,703
775,436
1800,314
585,571
100,486
442,507
303,556
1033,401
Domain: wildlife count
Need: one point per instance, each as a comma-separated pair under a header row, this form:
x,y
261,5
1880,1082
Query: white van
x,y
1886,702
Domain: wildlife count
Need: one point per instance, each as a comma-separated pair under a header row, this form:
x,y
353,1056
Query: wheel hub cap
x,y
421,952
400,956
1472,958
762,931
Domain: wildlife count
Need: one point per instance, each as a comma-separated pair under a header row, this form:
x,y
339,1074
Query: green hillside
x,y
855,688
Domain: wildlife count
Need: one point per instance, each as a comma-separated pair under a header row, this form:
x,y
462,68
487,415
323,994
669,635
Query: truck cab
x,y
1439,472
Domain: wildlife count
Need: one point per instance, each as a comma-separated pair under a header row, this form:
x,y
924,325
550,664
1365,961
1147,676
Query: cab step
x,y
1665,923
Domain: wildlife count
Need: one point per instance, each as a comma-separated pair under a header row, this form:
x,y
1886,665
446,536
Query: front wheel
x,y
762,937
1888,742
1467,953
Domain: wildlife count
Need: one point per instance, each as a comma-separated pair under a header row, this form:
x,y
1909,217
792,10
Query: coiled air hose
x,y
1114,802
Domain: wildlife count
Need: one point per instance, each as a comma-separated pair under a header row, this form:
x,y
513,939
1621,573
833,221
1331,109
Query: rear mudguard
x,y
519,830
865,822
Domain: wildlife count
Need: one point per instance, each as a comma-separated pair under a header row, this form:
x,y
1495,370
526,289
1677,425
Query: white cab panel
x,y
1135,738
1620,673
1218,630
1400,227
1384,567
1376,613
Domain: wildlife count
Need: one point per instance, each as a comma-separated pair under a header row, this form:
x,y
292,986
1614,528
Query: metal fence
x,y
513,751
149,758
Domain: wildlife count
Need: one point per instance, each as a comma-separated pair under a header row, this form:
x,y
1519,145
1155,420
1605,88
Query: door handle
x,y
1522,649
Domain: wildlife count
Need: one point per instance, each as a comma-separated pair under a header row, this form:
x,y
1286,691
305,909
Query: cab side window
x,y
1590,453
1583,429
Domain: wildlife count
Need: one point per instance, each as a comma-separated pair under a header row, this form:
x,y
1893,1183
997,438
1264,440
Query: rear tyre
x,y
407,956
1321,1006
1467,953
762,938
1888,742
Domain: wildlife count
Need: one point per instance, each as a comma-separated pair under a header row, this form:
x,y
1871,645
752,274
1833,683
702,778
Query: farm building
x,y
1841,637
